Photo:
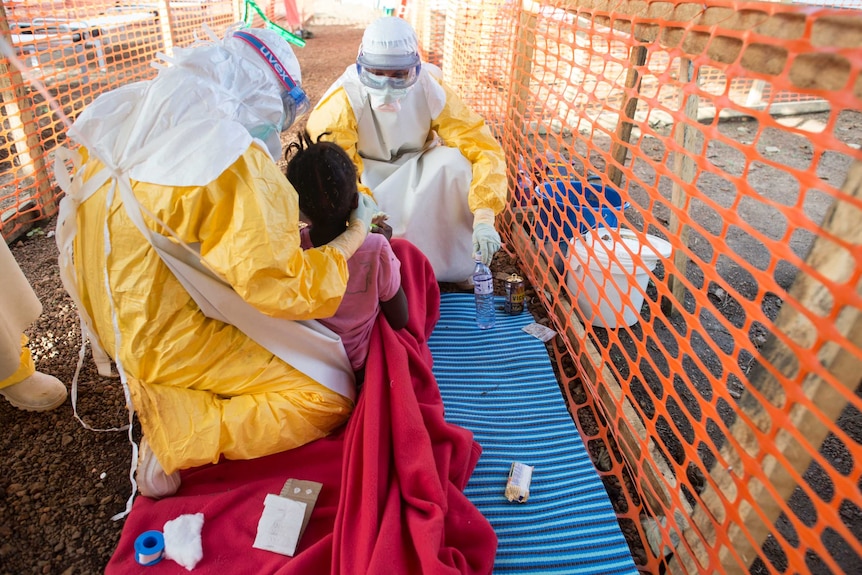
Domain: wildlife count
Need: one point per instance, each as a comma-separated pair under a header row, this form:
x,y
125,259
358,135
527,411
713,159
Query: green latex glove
x,y
485,240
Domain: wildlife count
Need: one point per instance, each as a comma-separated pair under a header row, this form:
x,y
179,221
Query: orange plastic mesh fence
x,y
79,50
685,201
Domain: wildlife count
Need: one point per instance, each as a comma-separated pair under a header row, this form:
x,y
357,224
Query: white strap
x,y
307,346
67,227
77,193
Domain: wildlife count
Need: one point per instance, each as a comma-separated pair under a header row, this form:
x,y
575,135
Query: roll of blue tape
x,y
149,547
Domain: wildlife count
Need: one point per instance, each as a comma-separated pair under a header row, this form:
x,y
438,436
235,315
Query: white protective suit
x,y
19,307
434,167
201,386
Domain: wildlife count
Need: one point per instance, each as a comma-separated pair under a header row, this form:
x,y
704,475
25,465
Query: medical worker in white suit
x,y
20,383
429,161
179,242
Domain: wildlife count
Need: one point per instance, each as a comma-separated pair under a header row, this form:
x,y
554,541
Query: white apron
x,y
421,183
307,345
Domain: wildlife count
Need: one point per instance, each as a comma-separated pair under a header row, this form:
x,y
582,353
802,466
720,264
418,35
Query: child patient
x,y
325,179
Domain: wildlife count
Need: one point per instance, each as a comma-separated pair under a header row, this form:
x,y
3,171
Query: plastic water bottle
x,y
483,289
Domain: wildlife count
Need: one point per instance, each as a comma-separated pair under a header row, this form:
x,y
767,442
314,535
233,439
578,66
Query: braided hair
x,y
324,177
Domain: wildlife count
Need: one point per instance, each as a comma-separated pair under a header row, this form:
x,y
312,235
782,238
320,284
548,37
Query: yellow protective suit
x,y
457,125
201,387
433,166
26,366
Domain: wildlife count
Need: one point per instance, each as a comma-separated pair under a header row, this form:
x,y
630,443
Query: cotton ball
x,y
183,540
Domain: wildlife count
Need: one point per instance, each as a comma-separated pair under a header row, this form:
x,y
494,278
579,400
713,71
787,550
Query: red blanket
x,y
393,477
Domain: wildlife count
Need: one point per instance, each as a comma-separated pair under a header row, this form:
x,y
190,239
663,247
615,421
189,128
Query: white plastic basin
x,y
614,274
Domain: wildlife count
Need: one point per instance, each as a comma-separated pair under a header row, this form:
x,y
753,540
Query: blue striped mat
x,y
499,384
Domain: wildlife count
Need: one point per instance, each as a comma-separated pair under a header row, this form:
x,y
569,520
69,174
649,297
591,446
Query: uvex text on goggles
x,y
394,71
295,101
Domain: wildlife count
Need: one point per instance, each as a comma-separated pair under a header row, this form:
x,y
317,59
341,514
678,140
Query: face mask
x,y
386,99
269,135
264,127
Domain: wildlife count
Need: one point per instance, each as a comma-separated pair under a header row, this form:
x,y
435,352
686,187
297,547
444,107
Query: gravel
x,y
60,483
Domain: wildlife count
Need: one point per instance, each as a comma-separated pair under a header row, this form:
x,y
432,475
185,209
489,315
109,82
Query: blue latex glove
x,y
360,226
486,240
365,211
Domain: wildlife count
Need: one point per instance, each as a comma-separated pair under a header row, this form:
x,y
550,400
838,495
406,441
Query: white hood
x,y
187,125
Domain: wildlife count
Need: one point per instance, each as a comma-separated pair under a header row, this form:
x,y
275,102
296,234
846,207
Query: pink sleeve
x,y
388,272
305,238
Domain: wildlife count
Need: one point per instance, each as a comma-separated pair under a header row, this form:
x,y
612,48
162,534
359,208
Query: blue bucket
x,y
567,204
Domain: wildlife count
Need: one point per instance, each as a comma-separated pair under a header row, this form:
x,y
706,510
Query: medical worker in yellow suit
x,y
177,176
20,383
429,161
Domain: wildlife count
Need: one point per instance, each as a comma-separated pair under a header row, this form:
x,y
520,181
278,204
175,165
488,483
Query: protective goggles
x,y
293,99
396,72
